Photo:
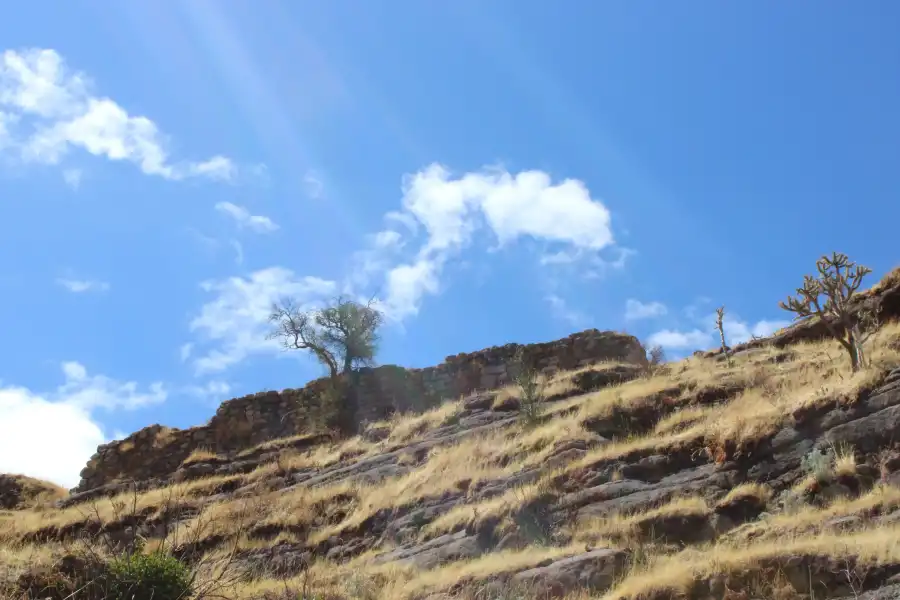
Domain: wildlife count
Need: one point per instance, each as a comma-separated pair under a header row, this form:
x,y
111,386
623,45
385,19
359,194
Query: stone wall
x,y
156,451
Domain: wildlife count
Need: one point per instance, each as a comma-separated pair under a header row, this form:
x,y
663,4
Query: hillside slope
x,y
773,475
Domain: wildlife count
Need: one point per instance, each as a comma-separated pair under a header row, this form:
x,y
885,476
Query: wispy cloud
x,y
233,325
80,286
211,393
245,220
238,252
315,186
440,216
49,109
72,177
635,310
451,210
561,310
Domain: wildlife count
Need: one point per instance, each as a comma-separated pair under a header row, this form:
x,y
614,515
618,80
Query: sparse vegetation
x,y
656,358
690,476
342,336
531,386
720,326
152,576
838,280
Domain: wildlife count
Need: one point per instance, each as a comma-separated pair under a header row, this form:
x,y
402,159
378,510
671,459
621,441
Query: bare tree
x,y
839,278
720,325
656,357
342,336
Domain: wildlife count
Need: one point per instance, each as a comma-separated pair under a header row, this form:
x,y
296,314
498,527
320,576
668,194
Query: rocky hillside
x,y
773,473
20,492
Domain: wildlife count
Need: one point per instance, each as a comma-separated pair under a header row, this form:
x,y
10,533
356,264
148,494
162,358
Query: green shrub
x,y
531,387
153,576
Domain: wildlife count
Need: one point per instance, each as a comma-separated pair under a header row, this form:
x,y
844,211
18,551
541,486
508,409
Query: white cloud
x,y
451,210
80,286
235,323
407,284
706,335
72,177
315,187
51,436
218,167
6,120
668,338
62,112
635,309
380,254
244,219
738,332
561,310
213,392
209,243
90,392
185,351
238,252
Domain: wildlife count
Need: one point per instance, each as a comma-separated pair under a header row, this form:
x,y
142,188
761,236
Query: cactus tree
x,y
839,278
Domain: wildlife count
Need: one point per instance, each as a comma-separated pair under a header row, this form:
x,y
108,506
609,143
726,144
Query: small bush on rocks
x,y
531,388
818,464
153,576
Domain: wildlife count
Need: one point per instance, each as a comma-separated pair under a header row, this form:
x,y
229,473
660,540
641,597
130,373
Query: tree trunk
x,y
853,351
347,416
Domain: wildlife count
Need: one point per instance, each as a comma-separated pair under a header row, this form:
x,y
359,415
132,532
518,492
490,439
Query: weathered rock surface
x,y
594,570
18,491
625,490
156,452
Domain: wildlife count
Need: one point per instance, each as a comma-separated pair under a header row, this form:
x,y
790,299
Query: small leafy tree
x,y
656,357
838,280
342,336
531,387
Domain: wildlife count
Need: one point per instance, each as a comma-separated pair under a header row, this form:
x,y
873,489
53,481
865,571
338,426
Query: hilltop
x,y
768,471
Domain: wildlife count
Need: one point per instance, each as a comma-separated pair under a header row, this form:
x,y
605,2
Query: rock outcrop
x,y
155,452
775,476
19,492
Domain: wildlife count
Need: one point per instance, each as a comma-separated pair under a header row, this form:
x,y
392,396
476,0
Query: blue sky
x,y
495,171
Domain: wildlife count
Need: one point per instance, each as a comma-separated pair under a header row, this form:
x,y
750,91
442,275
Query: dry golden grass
x,y
844,461
676,573
817,374
499,506
200,455
104,510
447,468
681,419
37,494
16,558
405,427
761,492
764,396
880,499
440,578
623,527
279,444
556,385
890,279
